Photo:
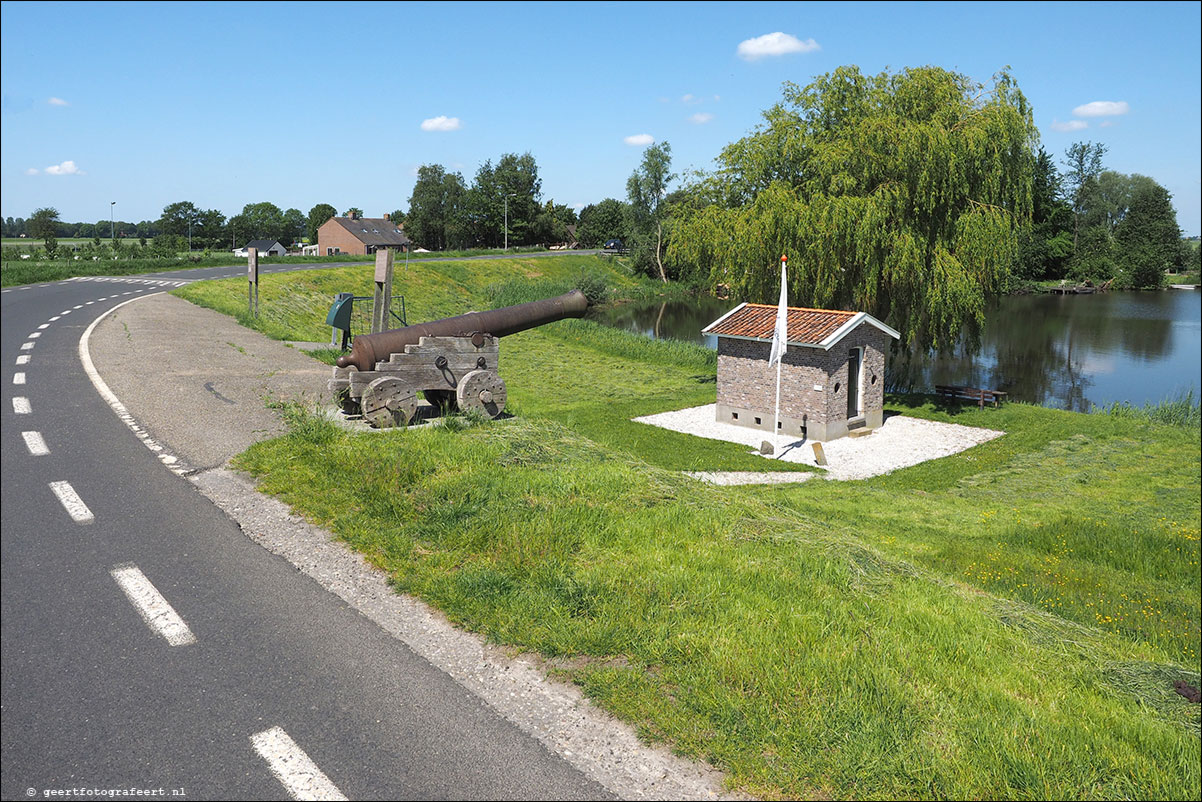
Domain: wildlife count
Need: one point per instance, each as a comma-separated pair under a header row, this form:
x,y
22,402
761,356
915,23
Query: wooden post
x,y
252,276
381,307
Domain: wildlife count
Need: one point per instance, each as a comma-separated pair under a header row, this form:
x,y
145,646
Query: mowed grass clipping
x,y
1008,622
786,649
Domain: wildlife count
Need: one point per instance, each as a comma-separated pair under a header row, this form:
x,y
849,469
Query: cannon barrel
x,y
368,349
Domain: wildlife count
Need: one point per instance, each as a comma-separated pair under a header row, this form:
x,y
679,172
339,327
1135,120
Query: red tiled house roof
x,y
820,328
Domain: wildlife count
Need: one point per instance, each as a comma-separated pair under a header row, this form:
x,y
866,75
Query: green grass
x,y
1192,277
781,635
1183,410
1004,623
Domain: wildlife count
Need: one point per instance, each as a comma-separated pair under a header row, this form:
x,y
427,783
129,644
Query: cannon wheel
x,y
388,402
482,391
342,397
443,399
340,390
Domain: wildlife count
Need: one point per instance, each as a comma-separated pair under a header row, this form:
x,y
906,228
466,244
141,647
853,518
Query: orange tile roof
x,y
757,321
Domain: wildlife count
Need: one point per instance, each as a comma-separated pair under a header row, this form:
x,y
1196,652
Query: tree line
x,y
913,195
503,205
1093,224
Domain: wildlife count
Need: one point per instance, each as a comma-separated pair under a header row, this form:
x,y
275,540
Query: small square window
x,y
757,421
735,415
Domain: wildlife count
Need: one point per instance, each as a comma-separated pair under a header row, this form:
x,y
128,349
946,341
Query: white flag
x,y
781,334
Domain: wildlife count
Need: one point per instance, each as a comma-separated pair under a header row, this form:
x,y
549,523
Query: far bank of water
x,y
1066,352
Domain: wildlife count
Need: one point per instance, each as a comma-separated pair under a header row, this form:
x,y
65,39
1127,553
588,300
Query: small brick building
x,y
832,374
361,235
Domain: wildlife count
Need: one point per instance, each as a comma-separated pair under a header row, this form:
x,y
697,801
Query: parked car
x,y
614,245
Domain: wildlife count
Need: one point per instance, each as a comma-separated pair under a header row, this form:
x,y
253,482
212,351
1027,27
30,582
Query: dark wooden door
x,y
853,382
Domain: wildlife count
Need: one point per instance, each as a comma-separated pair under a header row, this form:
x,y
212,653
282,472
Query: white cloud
x,y
441,123
31,171
1102,108
1105,123
774,44
701,118
66,168
1070,125
579,206
639,139
690,98
57,101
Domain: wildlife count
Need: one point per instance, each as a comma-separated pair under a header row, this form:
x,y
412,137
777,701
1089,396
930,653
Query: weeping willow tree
x,y
901,195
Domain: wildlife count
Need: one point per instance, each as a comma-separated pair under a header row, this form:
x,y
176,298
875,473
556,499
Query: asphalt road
x,y
238,677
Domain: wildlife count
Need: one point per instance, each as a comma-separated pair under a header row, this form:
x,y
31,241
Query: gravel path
x,y
900,443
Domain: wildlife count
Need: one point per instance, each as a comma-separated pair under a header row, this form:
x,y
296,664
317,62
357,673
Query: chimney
x,y
351,214
386,217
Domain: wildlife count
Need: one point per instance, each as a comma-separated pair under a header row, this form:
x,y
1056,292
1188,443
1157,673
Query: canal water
x,y
1061,351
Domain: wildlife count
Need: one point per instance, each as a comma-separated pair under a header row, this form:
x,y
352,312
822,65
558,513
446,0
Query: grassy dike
x,y
1004,623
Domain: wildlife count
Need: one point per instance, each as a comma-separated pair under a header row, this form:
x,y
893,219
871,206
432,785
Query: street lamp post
x,y
507,197
112,229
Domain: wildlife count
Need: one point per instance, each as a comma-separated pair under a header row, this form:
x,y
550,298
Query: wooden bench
x,y
954,393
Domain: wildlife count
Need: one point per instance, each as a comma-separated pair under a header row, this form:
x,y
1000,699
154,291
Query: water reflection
x,y
1069,352
676,320
1072,352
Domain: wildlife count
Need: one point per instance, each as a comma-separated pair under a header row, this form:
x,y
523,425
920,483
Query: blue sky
x,y
305,103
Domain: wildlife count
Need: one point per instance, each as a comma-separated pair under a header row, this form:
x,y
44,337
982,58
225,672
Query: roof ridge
x,y
806,309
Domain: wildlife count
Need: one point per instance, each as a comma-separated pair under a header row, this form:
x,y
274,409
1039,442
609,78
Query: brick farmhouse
x,y
359,235
832,373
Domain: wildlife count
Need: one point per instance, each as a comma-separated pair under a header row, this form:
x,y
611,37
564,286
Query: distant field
x,y
25,242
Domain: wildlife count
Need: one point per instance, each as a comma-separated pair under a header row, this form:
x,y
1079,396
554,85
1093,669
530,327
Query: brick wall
x,y
813,383
334,235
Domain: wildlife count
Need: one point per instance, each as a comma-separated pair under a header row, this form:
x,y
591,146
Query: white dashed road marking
x,y
23,359
289,763
35,335
18,378
27,346
44,325
154,609
35,443
21,405
72,503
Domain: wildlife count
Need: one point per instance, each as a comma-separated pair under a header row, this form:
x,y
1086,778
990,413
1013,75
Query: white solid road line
x,y
289,763
35,443
154,609
170,460
72,503
21,405
18,378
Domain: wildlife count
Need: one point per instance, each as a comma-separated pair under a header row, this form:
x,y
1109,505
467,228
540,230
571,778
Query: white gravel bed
x,y
899,443
754,477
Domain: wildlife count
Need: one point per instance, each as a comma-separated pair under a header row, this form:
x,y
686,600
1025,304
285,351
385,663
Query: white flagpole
x,y
776,423
780,340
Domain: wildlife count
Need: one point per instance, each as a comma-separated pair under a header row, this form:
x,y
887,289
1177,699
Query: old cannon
x,y
453,361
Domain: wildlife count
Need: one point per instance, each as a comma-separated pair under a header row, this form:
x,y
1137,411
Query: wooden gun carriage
x,y
453,361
